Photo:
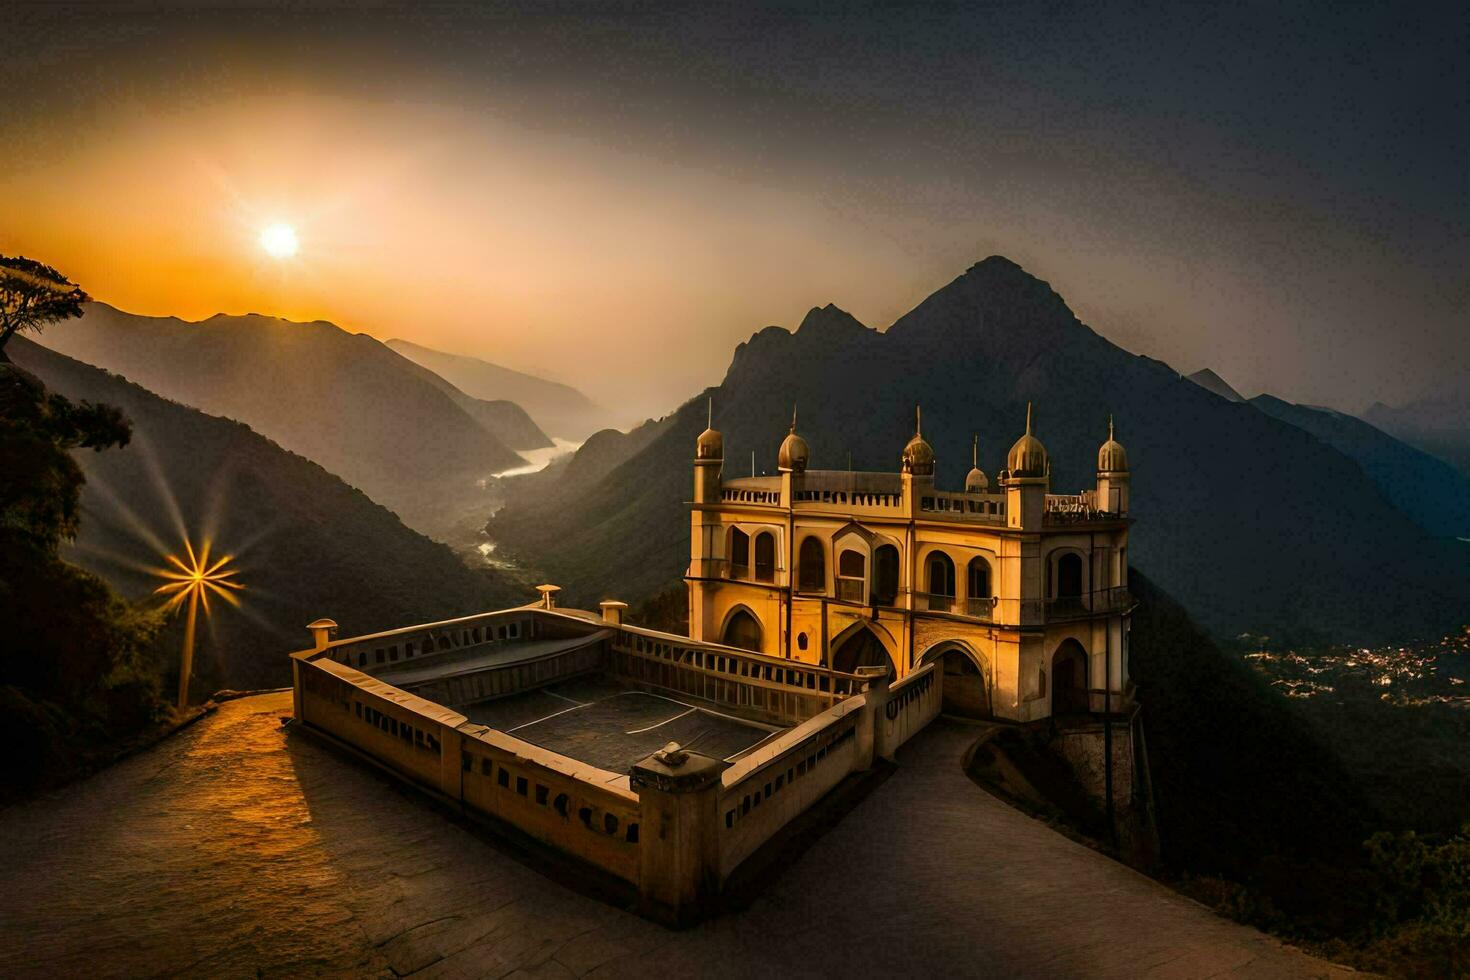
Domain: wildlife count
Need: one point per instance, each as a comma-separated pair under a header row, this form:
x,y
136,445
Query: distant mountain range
x,y
1253,523
1438,424
381,422
308,545
559,409
1430,491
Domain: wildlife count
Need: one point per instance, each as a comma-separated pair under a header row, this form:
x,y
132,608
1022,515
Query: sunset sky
x,y
616,194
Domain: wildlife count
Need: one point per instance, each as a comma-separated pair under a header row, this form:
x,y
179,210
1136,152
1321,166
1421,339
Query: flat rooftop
x,y
596,720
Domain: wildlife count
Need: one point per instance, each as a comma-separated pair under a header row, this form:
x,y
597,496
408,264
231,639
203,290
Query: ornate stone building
x,y
1018,592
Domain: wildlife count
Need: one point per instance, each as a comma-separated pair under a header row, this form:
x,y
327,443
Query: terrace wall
x,y
910,705
762,792
580,809
575,807
704,817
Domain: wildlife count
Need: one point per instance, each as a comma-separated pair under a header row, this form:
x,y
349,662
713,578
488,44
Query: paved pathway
x,y
235,850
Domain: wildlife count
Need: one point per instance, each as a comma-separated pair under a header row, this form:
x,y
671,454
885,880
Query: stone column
x,y
679,847
875,744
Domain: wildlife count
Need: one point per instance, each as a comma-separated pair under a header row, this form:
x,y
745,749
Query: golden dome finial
x,y
976,481
1111,456
710,444
794,452
918,455
1027,457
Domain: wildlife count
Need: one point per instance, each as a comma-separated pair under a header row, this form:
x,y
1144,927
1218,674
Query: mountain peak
x,y
829,320
1211,381
995,298
998,263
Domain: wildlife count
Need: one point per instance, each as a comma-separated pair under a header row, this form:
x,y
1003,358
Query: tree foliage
x,y
78,667
40,483
32,296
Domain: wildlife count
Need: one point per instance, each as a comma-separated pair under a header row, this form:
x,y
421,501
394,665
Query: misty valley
x,y
379,485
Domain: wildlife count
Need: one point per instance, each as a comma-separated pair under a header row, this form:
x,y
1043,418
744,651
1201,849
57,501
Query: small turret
x,y
918,455
1111,456
709,460
794,454
1027,457
1025,481
1112,475
976,481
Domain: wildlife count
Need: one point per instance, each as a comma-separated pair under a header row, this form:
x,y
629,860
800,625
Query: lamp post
x,y
192,580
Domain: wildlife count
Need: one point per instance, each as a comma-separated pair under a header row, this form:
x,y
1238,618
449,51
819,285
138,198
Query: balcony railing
x,y
850,590
981,608
934,601
1028,612
1099,603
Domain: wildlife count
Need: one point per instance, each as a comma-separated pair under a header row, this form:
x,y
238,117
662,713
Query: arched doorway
x,y
965,691
861,648
1069,679
742,630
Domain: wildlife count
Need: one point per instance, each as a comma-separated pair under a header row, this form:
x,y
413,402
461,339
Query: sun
x,y
279,241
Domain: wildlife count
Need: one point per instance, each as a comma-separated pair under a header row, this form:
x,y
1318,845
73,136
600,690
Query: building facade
x,y
1018,593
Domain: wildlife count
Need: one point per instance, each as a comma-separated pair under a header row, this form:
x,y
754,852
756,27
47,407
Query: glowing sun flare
x,y
196,576
279,241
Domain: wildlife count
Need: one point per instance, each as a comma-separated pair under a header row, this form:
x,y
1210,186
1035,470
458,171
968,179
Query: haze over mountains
x,y
382,423
308,545
1253,523
1426,488
1438,423
560,409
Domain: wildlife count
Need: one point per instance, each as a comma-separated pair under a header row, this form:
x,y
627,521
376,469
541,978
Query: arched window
x,y
742,631
852,572
765,557
941,581
978,594
812,573
885,575
739,553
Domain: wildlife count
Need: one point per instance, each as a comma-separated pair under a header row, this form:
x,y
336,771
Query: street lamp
x,y
193,579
